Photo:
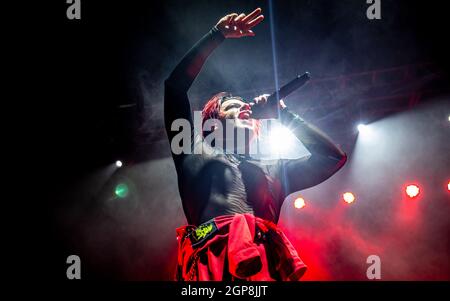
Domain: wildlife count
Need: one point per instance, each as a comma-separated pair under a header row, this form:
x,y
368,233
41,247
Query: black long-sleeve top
x,y
211,185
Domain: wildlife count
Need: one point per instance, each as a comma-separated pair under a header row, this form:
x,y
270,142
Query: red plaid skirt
x,y
240,246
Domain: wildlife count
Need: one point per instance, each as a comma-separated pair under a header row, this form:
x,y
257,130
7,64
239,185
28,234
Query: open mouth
x,y
245,114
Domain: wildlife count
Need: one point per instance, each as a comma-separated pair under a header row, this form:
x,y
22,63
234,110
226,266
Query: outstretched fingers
x,y
231,17
251,15
239,25
239,18
248,21
255,21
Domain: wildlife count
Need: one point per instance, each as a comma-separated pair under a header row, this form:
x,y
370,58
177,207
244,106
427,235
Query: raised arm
x,y
176,102
326,157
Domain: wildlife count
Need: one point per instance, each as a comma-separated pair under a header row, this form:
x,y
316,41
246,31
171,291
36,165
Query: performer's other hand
x,y
237,26
262,110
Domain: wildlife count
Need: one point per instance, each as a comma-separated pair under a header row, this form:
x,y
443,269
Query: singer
x,y
232,203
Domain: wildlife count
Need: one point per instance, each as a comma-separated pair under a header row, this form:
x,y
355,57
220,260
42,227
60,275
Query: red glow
x,y
412,190
299,203
348,197
448,186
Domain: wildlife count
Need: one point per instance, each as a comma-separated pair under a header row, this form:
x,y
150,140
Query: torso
x,y
214,185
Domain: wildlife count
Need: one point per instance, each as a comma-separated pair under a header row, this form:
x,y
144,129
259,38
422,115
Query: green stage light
x,y
121,190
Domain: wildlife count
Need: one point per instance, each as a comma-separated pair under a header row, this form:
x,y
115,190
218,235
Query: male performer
x,y
232,203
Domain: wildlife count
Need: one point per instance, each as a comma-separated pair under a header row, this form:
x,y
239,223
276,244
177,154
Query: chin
x,y
245,123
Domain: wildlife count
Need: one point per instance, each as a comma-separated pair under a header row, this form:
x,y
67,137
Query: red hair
x,y
212,107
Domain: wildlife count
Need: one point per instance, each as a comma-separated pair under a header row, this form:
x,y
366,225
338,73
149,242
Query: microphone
x,y
297,82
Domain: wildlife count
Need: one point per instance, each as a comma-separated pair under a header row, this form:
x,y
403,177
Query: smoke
x,y
409,235
134,238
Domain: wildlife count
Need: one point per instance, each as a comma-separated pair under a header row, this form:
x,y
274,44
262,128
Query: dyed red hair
x,y
212,108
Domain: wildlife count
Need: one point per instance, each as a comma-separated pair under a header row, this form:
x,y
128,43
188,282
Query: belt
x,y
202,233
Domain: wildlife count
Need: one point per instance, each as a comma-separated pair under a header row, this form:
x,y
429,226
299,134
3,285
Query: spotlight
x,y
448,186
281,139
119,163
121,190
348,197
299,203
412,190
362,128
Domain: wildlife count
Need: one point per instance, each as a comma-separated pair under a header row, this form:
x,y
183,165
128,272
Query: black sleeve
x,y
176,102
326,157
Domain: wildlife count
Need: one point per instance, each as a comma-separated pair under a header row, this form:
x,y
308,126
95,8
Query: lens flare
x,y
412,190
299,203
121,190
348,197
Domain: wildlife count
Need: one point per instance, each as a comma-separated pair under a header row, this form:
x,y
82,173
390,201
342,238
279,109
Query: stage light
x,y
348,197
412,190
281,139
119,163
362,128
121,190
448,186
299,203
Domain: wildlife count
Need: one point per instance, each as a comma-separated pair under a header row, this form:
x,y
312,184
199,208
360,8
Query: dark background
x,y
101,80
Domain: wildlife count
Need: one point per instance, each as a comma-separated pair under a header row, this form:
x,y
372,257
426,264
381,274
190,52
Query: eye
x,y
234,105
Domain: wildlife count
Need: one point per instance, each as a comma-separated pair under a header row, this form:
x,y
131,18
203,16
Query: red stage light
x,y
349,197
299,203
448,186
412,190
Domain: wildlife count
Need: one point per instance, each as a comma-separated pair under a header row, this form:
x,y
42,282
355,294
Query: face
x,y
237,109
240,111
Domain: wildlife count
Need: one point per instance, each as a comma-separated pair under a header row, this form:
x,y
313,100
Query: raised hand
x,y
237,26
261,109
